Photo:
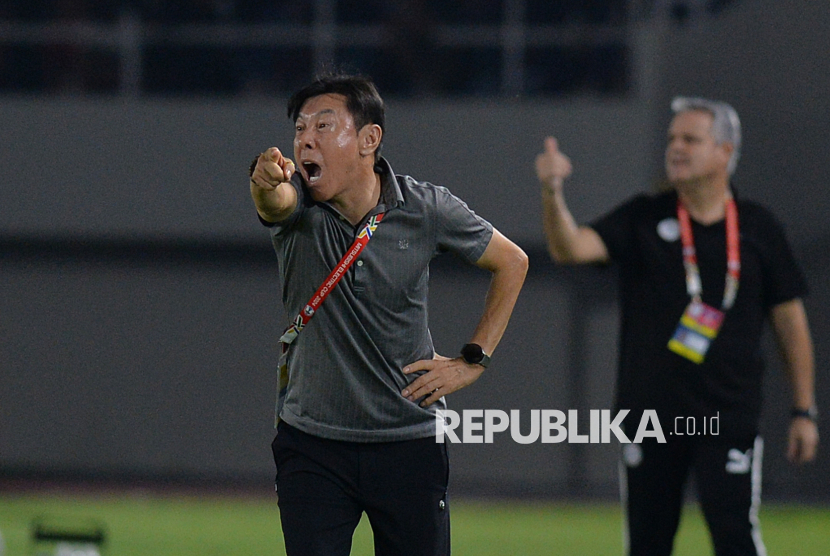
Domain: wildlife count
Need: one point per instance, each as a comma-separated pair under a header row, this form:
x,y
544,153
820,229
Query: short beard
x,y
690,182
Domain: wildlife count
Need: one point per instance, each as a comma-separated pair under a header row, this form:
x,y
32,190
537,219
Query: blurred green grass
x,y
143,524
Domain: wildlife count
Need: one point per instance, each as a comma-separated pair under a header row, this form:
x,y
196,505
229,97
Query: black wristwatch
x,y
811,414
474,355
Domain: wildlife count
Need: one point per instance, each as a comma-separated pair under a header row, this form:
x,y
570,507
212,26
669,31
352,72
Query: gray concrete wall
x,y
162,169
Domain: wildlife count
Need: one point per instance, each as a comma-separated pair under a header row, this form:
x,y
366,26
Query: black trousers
x,y
324,487
727,473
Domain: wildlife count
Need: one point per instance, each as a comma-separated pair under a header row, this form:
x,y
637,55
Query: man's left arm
x,y
789,322
508,263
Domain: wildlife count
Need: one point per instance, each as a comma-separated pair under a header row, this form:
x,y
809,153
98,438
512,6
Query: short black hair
x,y
362,99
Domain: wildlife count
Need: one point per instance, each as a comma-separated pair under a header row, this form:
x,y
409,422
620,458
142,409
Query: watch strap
x,y
474,354
811,413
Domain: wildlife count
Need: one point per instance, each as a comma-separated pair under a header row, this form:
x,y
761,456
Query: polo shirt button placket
x,y
358,277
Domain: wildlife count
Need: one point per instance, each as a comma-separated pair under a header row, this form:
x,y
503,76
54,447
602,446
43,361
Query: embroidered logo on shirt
x,y
668,229
403,244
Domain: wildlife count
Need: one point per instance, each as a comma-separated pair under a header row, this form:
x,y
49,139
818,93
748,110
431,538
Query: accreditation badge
x,y
697,328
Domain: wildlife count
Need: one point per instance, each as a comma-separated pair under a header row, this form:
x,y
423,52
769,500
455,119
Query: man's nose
x,y
305,139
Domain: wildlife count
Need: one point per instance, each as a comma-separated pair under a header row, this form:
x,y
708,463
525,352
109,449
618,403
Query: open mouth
x,y
312,170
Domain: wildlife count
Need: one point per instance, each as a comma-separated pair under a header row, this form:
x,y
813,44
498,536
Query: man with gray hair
x,y
726,126
701,269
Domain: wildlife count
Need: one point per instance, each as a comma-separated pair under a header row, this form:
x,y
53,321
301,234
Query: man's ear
x,y
369,138
727,149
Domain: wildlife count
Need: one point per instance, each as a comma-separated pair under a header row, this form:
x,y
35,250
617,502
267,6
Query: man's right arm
x,y
568,242
275,198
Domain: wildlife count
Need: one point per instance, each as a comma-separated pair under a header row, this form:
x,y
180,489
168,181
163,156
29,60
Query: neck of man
x,y
356,202
705,199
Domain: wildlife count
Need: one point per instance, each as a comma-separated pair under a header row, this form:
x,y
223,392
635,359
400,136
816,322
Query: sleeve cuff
x,y
265,222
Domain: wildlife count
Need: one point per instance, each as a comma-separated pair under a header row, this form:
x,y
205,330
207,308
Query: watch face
x,y
472,353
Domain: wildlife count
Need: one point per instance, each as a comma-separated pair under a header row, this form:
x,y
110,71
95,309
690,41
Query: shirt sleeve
x,y
458,229
616,228
278,228
783,279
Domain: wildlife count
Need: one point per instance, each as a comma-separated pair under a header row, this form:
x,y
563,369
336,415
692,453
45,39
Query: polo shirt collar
x,y
390,191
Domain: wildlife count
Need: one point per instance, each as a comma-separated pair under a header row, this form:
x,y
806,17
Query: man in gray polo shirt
x,y
357,426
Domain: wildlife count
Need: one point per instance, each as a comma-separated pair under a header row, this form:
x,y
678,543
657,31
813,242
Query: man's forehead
x,y
322,104
698,120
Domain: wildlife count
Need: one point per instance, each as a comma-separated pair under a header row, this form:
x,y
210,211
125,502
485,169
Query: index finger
x,y
285,164
275,166
422,365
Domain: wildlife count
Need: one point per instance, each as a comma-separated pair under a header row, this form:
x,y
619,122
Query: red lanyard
x,y
733,254
325,289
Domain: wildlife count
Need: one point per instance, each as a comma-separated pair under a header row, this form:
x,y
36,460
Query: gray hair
x,y
726,127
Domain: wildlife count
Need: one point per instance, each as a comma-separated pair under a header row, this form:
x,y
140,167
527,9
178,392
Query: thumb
x,y
551,145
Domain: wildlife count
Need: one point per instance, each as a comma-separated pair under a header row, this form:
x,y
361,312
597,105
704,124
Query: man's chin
x,y
318,196
682,181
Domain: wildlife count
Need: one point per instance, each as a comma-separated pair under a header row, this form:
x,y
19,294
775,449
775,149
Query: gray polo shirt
x,y
345,367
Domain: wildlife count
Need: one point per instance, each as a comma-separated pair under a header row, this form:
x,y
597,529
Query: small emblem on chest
x,y
668,229
403,244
